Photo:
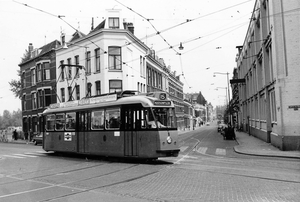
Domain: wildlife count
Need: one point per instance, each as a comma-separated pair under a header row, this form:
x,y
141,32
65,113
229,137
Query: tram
x,y
125,124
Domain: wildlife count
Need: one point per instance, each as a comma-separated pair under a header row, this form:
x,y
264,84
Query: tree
x,y
16,118
6,119
16,86
26,56
10,119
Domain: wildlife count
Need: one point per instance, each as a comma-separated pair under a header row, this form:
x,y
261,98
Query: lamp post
x,y
221,73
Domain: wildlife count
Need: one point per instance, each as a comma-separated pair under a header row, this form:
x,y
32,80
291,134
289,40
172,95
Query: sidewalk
x,y
250,145
253,146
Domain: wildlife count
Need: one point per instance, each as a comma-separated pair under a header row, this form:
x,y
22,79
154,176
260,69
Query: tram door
x,y
131,114
83,120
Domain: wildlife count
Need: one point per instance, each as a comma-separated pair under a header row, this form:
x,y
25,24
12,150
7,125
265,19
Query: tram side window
x,y
139,119
60,122
97,120
70,121
113,118
50,122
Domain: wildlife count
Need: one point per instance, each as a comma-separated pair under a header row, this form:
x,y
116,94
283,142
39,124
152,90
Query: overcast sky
x,y
210,30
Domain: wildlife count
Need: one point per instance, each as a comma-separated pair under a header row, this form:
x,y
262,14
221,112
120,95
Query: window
x,y
97,60
60,121
113,23
141,65
50,122
97,119
134,118
24,102
39,72
62,93
23,80
144,67
273,106
89,90
77,92
70,93
62,74
70,121
149,76
33,99
98,88
112,118
40,99
115,86
88,62
114,58
77,63
33,77
46,69
47,93
69,69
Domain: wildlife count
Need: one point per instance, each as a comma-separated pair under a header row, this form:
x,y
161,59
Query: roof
x,y
77,35
48,47
100,26
44,49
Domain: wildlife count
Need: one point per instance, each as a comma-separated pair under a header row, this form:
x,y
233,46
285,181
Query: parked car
x,y
221,126
37,139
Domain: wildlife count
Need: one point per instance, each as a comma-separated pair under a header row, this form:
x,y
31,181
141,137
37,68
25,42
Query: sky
x,y
209,31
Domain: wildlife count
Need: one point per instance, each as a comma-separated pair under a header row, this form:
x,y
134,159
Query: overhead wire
x,y
157,32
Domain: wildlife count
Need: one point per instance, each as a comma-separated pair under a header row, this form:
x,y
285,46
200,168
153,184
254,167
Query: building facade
x,y
38,82
269,62
110,59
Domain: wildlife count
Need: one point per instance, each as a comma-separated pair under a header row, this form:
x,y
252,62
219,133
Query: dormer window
x,y
113,23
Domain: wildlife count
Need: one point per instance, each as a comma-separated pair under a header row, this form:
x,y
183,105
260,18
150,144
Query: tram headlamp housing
x,y
169,140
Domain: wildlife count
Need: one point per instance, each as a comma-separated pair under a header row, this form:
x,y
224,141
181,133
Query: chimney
x,y
30,48
130,27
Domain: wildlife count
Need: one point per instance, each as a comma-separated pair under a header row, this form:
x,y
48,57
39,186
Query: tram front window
x,y
161,118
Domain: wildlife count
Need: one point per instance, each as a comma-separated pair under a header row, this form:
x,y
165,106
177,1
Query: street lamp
x,y
221,73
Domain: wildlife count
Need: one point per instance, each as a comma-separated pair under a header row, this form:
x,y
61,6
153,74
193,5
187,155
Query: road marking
x,y
25,155
182,149
220,151
202,150
11,156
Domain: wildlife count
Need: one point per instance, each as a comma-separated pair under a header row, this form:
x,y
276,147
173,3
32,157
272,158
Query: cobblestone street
x,y
177,184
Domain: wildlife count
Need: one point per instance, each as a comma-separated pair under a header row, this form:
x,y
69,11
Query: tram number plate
x,y
68,136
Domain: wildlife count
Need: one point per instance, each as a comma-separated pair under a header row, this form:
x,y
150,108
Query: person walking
x,y
15,135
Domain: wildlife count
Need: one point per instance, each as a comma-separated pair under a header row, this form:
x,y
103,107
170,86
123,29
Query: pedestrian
x,y
15,135
26,136
30,135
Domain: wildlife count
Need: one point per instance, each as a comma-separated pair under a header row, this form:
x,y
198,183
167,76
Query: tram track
x,y
49,180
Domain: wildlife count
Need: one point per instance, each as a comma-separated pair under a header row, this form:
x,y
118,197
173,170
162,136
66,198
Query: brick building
x,y
38,82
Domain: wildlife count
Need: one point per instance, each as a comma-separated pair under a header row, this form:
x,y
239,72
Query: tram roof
x,y
111,100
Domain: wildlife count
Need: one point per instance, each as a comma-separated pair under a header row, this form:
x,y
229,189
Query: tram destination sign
x,y
86,101
164,103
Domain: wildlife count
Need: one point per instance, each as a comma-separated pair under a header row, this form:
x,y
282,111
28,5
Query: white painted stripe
x,y
220,151
32,153
11,156
182,149
202,150
24,155
42,152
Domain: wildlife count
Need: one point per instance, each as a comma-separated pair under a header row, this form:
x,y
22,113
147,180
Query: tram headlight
x,y
169,140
